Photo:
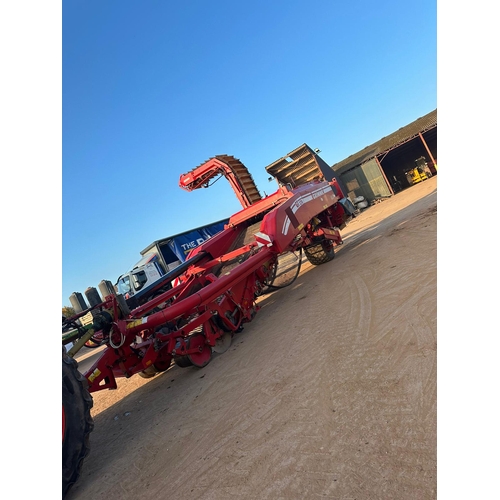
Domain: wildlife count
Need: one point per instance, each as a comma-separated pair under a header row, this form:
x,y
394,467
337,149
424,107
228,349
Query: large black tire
x,y
182,361
77,421
320,253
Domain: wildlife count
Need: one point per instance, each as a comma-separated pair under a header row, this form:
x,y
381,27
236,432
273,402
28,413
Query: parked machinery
x,y
215,293
419,173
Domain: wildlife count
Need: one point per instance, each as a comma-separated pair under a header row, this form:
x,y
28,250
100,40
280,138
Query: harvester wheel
x,y
204,355
182,361
76,419
149,372
223,343
160,365
200,358
320,253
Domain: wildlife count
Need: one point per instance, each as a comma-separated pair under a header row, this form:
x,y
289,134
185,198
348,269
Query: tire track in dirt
x,y
328,393
366,373
294,393
417,340
360,309
266,427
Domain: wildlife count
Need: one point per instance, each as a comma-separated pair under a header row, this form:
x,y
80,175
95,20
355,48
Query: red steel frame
x,y
163,328
201,176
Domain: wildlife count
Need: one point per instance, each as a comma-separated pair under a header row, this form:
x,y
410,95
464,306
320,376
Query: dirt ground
x,y
329,393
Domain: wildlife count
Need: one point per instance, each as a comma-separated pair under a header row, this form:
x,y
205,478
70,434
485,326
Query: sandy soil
x,y
329,393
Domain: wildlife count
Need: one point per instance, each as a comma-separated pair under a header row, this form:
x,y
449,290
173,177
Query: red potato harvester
x,y
213,296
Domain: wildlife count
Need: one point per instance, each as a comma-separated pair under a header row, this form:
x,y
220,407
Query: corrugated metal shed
x,y
404,134
300,166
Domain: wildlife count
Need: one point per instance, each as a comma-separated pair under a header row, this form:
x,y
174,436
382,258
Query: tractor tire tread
x,y
317,255
78,402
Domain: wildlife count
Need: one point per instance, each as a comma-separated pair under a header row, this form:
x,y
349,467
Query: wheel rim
x,y
203,357
223,343
163,363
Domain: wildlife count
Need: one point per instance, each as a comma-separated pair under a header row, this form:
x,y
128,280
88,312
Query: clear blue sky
x,y
152,89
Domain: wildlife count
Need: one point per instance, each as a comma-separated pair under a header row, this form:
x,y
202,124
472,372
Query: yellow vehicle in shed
x,y
416,175
420,173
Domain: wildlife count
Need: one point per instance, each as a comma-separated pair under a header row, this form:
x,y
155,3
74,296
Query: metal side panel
x,y
286,221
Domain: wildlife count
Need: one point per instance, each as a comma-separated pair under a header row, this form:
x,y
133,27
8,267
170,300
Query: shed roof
x,y
404,134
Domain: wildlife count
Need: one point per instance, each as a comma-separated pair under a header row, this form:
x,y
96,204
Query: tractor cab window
x,y
139,279
124,285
